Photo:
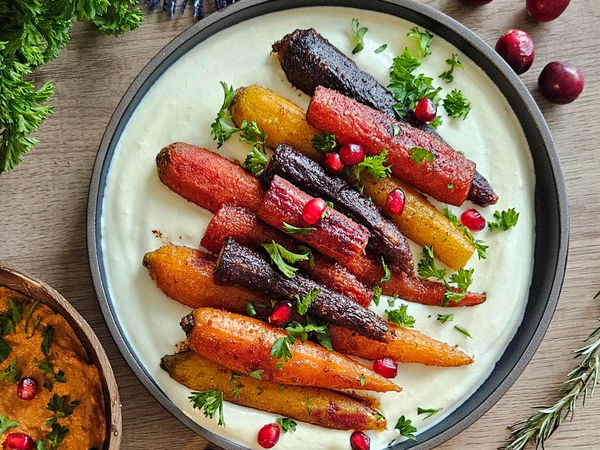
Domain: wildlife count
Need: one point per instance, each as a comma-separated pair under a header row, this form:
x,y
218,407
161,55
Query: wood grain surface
x,y
43,205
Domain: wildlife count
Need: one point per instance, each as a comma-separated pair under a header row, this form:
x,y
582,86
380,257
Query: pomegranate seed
x,y
27,388
268,435
546,10
313,210
426,110
472,220
516,47
282,313
360,441
561,82
18,441
352,154
333,163
386,367
394,203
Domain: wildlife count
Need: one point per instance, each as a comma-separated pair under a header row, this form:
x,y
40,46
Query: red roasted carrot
x,y
245,228
207,179
447,177
336,236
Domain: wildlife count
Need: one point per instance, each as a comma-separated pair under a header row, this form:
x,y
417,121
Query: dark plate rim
x,y
550,199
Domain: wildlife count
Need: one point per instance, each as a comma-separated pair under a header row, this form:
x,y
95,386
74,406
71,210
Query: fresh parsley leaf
x,y
7,324
324,142
210,402
427,268
40,445
457,105
257,374
281,348
386,270
5,349
11,373
374,165
252,134
308,406
303,303
420,154
463,278
306,250
359,34
299,331
221,130
255,162
286,424
362,379
376,295
279,255
407,88
249,308
435,123
290,229
452,296
323,338
406,429
47,333
424,39
395,130
6,424
400,317
57,435
443,318
28,318
480,246
452,62
405,62
463,331
279,366
429,412
504,220
380,49
60,406
14,309
236,391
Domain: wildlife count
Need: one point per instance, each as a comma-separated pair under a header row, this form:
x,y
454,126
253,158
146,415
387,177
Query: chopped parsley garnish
x,y
480,246
362,379
386,270
463,331
28,319
424,41
308,406
400,317
420,154
457,105
47,333
257,374
279,255
60,407
405,428
443,318
290,229
504,220
281,349
306,250
376,295
380,49
45,365
255,136
303,303
249,308
435,123
6,424
221,130
359,34
452,62
57,435
429,412
14,309
463,278
210,402
256,161
427,268
374,165
286,424
11,374
324,142
299,331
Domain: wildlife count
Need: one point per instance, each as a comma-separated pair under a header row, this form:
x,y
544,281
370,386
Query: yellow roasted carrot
x,y
327,408
244,344
284,121
403,345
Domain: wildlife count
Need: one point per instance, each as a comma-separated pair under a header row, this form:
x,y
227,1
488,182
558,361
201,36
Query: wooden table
x,y
43,206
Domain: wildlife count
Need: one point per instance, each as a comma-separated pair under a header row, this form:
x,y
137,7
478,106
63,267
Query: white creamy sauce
x,y
181,106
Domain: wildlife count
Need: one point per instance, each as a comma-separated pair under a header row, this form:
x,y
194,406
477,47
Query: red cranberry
x,y
360,441
313,210
333,163
18,441
386,367
546,10
476,2
472,220
352,154
426,110
27,388
268,435
394,203
516,47
561,82
282,313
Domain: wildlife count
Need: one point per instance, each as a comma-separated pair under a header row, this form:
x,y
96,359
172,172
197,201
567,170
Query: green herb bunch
x,y
32,32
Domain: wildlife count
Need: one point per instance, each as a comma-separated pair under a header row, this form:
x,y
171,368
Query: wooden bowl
x,y
38,290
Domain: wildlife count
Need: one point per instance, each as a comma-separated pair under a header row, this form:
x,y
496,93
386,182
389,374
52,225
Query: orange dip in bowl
x,y
67,410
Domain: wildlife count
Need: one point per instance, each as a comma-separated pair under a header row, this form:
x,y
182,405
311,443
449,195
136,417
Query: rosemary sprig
x,y
581,382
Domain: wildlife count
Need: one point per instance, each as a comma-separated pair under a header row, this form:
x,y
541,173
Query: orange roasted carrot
x,y
207,179
335,235
244,344
403,345
447,176
245,228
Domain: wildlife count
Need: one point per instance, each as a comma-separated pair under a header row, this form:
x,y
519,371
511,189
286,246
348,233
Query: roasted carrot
x,y
386,240
335,235
403,345
207,179
245,228
327,408
309,60
447,176
243,344
420,222
186,275
240,266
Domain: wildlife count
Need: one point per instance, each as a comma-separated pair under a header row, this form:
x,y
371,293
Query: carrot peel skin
x,y
447,178
243,344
